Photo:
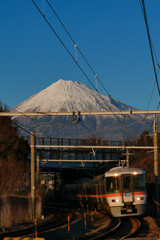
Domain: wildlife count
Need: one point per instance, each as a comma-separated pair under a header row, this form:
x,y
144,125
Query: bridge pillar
x,y
94,169
55,185
63,198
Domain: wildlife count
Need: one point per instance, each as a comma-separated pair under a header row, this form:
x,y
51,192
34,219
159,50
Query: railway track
x,y
108,233
78,230
117,228
135,229
31,230
44,226
126,228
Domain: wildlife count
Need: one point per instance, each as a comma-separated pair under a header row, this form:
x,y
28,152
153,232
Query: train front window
x,y
139,182
126,182
112,184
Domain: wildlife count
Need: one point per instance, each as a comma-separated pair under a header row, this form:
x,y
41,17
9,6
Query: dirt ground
x,y
151,226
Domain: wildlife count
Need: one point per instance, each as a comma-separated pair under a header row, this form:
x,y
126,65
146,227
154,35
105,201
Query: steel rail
x,y
31,230
114,230
44,226
108,233
135,233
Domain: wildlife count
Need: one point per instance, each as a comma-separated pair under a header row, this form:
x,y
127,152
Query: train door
x,y
127,194
97,192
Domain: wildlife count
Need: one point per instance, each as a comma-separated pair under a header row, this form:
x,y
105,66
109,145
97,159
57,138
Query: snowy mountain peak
x,y
75,96
69,96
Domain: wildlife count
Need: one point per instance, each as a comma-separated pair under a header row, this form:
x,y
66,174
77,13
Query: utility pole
x,y
127,157
33,187
38,172
156,173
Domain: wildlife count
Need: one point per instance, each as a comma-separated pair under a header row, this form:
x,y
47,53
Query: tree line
x,y
14,150
144,158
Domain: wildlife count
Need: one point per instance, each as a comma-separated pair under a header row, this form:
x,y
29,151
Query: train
x,y
121,191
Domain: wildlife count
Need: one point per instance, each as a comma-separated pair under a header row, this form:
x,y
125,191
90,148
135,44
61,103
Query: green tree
x,y
145,139
11,144
143,158
14,151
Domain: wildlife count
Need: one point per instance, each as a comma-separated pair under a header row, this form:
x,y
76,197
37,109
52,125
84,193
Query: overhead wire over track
x,y
151,48
77,48
142,5
23,127
150,44
73,57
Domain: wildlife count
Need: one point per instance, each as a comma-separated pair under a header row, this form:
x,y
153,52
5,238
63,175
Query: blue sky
x,y
111,34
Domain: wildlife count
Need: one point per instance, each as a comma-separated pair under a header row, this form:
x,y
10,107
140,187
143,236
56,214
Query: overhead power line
x,y
150,45
81,53
23,127
150,37
36,125
73,58
142,5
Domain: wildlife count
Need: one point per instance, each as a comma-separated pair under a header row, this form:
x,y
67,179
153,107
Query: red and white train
x,y
121,190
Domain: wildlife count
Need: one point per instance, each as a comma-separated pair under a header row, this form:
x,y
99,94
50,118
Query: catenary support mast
x,y
156,172
33,187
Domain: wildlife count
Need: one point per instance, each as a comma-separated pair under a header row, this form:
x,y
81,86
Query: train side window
x,y
139,182
112,184
102,189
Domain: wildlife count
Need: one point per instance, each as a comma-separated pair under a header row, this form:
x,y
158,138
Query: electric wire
x,y
142,5
150,38
50,124
148,107
124,127
81,53
7,107
21,126
14,121
44,125
151,94
35,125
73,58
150,44
73,41
47,125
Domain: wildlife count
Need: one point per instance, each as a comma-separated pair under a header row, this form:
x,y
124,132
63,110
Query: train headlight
x,y
115,200
115,174
135,173
140,198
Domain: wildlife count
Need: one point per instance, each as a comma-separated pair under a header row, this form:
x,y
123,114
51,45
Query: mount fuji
x,y
75,96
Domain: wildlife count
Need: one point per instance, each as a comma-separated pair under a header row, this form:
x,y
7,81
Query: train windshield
x,y
112,184
139,182
127,183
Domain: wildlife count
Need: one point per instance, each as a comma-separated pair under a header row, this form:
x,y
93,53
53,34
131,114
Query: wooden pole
x,y
38,172
33,187
68,226
36,234
85,221
127,157
92,217
156,173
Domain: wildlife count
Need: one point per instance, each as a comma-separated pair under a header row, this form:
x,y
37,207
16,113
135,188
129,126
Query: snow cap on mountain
x,y
69,96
